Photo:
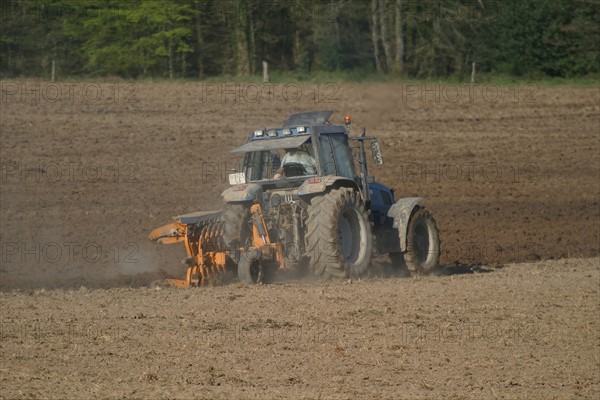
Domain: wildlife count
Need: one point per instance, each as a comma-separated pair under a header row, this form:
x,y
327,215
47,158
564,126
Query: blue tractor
x,y
304,202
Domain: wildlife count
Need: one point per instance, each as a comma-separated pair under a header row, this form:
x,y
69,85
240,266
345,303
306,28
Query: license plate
x,y
237,178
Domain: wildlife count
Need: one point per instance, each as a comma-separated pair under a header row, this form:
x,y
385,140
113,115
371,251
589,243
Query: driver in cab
x,y
298,157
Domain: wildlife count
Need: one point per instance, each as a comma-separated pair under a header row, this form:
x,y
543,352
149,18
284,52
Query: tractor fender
x,y
401,212
238,193
320,185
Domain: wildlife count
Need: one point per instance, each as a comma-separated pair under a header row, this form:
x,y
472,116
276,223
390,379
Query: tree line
x,y
204,38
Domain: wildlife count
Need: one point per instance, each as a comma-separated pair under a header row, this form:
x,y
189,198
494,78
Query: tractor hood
x,y
271,144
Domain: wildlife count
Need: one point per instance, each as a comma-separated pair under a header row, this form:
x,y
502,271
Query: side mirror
x,y
376,150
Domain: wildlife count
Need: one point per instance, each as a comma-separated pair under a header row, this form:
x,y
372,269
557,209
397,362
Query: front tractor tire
x,y
339,238
422,253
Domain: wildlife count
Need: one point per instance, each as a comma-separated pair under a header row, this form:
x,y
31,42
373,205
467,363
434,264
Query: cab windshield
x,y
280,163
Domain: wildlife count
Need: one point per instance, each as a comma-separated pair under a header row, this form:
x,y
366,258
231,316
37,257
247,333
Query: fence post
x,y
265,72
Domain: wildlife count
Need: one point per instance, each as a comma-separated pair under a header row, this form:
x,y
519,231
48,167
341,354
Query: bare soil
x,y
511,174
521,331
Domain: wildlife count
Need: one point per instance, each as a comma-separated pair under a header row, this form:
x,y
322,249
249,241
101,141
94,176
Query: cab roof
x,y
308,118
295,131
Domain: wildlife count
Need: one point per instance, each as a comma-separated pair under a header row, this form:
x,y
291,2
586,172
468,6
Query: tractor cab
x,y
307,146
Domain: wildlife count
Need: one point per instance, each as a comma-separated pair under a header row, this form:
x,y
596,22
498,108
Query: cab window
x,y
337,157
258,165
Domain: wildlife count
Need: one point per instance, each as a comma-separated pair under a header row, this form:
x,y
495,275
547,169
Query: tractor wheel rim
x,y
421,240
351,234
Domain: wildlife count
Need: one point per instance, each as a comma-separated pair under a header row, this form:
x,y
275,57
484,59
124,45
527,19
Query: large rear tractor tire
x,y
422,255
339,238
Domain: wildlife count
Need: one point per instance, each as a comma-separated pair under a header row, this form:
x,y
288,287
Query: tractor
x,y
299,203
